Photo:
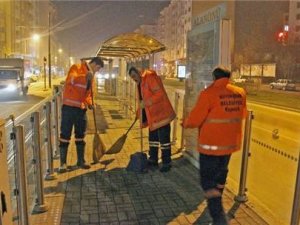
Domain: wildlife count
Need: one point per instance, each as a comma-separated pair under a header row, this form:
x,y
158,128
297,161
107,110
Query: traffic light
x,y
282,37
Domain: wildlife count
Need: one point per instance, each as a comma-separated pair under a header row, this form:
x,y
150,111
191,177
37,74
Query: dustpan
x,y
138,161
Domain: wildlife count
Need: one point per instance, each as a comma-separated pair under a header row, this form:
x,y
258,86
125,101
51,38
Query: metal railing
x,y
32,140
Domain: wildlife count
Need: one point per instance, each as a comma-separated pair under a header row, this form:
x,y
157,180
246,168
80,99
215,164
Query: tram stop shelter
x,y
130,46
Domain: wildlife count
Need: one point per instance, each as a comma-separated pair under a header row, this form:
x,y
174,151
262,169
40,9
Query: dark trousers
x,y
160,138
73,116
213,174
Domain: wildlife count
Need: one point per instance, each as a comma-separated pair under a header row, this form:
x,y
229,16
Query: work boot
x,y
153,155
165,168
62,168
63,158
166,160
80,148
216,211
152,163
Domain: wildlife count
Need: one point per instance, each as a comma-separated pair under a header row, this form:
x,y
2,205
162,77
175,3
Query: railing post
x,y
182,130
21,189
174,135
56,106
241,197
120,97
50,168
296,203
126,99
130,98
40,205
5,190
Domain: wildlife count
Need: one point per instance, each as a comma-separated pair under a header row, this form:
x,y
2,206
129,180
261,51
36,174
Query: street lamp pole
x,y
49,50
45,61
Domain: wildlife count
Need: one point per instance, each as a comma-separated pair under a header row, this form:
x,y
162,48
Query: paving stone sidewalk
x,y
108,194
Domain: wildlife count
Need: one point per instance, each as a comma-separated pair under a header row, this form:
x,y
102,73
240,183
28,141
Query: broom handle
x,y
92,95
94,113
130,127
141,127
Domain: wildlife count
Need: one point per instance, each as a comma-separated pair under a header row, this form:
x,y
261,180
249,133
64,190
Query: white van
x,y
12,82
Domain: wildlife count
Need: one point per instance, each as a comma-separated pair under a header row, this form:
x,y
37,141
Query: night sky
x,y
81,26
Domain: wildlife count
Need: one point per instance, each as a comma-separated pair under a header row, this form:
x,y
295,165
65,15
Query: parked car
x,y
239,80
283,84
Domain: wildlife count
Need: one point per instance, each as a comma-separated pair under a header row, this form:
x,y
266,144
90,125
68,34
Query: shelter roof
x,y
130,45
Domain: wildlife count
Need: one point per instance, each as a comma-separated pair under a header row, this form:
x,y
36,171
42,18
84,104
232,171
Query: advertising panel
x,y
181,71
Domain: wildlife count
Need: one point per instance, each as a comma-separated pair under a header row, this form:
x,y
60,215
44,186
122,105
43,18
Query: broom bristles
x,y
117,146
98,148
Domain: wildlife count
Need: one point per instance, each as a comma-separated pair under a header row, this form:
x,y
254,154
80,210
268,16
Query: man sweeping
x,y
77,99
157,113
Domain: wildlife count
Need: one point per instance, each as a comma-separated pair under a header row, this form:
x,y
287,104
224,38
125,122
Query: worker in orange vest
x,y
157,114
76,100
218,115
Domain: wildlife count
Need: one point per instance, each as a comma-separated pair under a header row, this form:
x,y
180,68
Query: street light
x,y
35,37
59,63
45,62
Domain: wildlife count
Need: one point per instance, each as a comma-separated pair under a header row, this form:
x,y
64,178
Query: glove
x,y
182,122
89,77
91,107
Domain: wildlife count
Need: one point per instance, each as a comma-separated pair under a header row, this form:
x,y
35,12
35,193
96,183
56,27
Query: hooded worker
x,y
218,115
157,114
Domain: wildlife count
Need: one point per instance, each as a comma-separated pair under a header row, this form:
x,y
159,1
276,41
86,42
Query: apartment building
x,y
2,31
177,23
19,21
294,22
171,29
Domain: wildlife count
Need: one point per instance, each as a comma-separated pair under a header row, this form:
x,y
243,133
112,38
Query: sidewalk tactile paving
x,y
108,194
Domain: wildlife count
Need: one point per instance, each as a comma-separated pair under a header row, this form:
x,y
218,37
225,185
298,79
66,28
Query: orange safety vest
x,y
218,115
158,108
75,93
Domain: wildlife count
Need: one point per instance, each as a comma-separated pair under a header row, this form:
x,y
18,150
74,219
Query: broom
x,y
98,145
118,145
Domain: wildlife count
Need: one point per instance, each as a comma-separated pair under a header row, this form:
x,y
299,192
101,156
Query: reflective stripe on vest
x,y
80,86
216,147
232,120
73,101
156,88
72,79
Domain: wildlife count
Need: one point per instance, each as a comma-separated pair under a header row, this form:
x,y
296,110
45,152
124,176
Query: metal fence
x,y
32,143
